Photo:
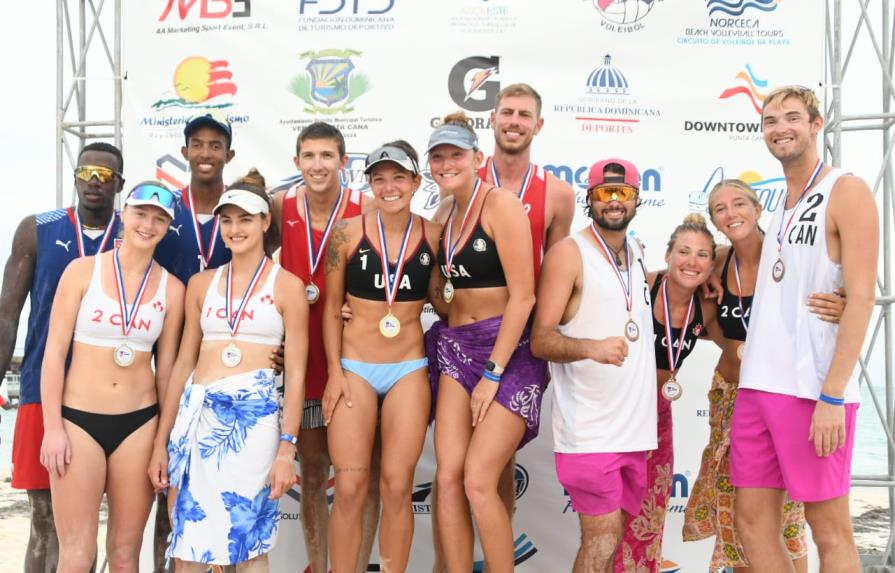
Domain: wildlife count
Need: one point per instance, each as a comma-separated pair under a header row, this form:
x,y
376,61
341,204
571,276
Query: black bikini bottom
x,y
109,430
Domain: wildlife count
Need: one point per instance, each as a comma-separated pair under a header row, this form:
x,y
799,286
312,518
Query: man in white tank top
x,y
595,327
794,417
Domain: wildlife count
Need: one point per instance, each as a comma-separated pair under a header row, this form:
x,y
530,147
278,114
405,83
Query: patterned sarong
x,y
461,353
640,550
220,453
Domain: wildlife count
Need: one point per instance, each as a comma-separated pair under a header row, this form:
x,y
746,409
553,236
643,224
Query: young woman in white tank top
x,y
100,415
225,454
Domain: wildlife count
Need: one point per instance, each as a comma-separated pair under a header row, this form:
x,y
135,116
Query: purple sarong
x,y
461,353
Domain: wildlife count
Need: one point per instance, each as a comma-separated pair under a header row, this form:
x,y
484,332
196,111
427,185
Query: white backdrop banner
x,y
676,87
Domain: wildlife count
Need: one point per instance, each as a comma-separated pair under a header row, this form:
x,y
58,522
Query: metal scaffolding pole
x,y
877,30
78,42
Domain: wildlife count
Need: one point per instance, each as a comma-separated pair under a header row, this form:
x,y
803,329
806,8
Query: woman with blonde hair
x,y
487,384
115,312
735,209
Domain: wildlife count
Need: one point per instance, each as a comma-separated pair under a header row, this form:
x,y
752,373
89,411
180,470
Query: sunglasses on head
x,y
613,192
102,174
148,191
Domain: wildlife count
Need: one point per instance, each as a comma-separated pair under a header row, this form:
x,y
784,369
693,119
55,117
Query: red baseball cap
x,y
597,176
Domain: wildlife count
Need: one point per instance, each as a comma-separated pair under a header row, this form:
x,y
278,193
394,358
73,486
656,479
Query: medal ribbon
x,y
391,285
204,255
79,234
673,359
234,320
781,233
626,286
526,181
450,246
129,316
736,274
314,254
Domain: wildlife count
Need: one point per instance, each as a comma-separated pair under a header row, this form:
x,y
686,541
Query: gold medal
x,y
312,293
231,356
389,326
124,355
632,331
448,291
672,390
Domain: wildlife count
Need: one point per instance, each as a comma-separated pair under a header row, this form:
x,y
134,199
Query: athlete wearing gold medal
x,y
100,415
383,263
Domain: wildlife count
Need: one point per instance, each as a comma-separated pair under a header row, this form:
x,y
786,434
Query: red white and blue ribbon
x,y
526,181
233,319
129,315
315,254
79,234
204,254
626,285
673,358
392,283
450,245
781,233
736,274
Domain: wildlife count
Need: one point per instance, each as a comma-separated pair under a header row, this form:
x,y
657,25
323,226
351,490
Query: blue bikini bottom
x,y
382,376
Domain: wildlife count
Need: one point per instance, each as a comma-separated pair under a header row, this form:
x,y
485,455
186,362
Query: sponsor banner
x,y
677,88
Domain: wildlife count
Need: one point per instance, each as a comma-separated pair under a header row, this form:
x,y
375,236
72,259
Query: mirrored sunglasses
x,y
102,174
609,193
148,192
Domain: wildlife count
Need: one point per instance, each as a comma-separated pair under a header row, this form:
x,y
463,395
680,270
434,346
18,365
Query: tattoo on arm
x,y
336,240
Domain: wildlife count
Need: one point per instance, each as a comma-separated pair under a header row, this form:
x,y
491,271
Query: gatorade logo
x,y
473,83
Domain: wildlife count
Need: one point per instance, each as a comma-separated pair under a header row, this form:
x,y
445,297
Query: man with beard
x,y
42,247
824,235
603,371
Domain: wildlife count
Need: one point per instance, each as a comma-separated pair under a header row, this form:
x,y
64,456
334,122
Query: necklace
x,y
617,253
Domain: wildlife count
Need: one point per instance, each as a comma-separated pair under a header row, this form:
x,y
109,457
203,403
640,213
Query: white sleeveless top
x,y
600,408
99,316
261,323
788,349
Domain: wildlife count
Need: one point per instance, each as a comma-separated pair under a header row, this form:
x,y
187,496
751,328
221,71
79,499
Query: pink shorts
x,y
601,483
769,447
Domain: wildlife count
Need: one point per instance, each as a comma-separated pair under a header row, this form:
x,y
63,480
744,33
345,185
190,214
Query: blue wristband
x,y
289,438
830,400
488,375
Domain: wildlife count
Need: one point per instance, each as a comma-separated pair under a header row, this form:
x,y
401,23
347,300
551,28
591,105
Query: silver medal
x,y
124,355
231,356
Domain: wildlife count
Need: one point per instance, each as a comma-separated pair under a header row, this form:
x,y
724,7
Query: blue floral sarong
x,y
220,453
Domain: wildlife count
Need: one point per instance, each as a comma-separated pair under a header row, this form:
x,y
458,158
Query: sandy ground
x,y
870,517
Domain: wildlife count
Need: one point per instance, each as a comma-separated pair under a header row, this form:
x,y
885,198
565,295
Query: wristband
x,y
492,366
289,438
488,375
831,400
